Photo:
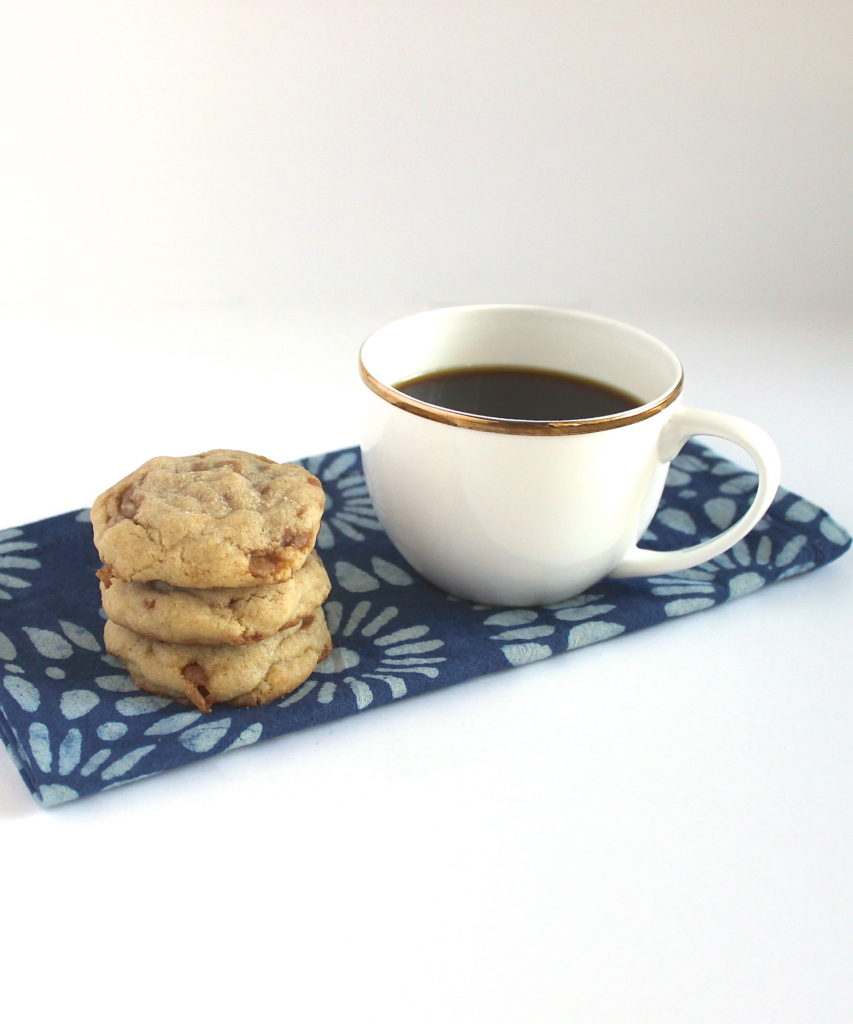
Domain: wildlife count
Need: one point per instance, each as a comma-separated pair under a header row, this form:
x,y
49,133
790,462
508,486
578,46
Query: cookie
x,y
226,615
219,519
205,675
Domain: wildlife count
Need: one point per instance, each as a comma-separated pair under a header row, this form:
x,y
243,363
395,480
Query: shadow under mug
x,y
526,512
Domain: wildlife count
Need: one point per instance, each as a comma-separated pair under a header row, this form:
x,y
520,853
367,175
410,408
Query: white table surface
x,y
657,828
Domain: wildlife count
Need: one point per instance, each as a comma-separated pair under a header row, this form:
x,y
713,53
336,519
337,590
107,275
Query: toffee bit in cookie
x,y
197,690
105,575
150,603
262,563
296,540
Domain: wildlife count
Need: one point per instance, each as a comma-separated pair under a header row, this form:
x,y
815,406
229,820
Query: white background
x,y
205,206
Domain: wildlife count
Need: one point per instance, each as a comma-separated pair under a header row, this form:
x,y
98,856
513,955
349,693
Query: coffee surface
x,y
518,393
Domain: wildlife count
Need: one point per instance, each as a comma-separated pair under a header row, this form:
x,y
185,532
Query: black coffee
x,y
518,393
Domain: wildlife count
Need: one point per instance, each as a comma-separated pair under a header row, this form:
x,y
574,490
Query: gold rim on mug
x,y
502,426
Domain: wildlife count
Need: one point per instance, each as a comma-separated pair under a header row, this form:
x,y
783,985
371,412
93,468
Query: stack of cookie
x,y
211,584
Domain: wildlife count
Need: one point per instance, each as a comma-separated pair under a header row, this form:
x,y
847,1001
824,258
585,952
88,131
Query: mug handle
x,y
684,424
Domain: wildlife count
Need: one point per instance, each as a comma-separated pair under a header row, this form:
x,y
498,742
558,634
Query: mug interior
x,y
582,344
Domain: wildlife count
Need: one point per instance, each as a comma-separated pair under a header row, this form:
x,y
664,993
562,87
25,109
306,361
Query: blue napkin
x,y
74,724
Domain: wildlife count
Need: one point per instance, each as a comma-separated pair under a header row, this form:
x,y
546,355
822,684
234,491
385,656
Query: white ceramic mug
x,y
519,512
